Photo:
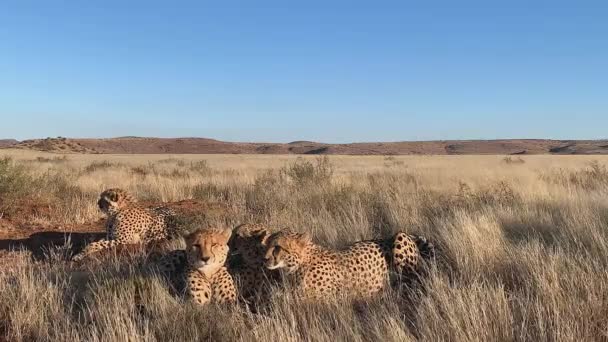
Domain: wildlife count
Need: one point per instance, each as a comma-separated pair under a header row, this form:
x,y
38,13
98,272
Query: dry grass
x,y
523,246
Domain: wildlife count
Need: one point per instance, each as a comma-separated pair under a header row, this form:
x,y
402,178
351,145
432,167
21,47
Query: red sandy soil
x,y
136,145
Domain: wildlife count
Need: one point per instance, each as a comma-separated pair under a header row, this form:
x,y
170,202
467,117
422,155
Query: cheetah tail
x,y
426,248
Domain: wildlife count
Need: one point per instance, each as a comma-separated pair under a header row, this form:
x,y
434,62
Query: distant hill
x,y
7,142
60,145
139,145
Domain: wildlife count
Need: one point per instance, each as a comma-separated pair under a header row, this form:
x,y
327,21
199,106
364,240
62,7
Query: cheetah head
x,y
247,243
207,249
287,250
112,200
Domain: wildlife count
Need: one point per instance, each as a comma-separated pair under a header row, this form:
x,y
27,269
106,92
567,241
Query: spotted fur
x,y
246,262
200,270
363,269
128,223
409,251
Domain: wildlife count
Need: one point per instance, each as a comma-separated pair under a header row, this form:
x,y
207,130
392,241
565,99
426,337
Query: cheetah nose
x,y
205,258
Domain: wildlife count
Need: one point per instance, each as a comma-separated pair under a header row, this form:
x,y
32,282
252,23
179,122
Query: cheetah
x,y
246,262
409,255
363,269
200,269
128,223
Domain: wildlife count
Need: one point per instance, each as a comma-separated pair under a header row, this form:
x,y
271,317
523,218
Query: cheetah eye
x,y
276,251
197,246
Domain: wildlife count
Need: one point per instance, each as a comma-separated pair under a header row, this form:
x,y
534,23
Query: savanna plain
x,y
522,245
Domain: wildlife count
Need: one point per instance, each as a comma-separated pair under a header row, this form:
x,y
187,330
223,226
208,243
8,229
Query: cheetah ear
x,y
112,195
226,234
264,235
190,236
303,240
265,241
305,237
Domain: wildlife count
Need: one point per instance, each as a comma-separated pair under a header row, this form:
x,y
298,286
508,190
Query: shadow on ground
x,y
40,243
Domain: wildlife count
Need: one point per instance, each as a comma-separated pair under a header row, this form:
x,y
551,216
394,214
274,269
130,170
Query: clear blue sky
x,y
333,71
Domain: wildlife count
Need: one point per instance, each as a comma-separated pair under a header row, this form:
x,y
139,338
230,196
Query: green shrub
x,y
140,171
98,165
303,172
263,199
511,160
200,167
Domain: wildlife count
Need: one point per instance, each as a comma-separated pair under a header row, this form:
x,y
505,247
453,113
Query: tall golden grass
x,y
523,246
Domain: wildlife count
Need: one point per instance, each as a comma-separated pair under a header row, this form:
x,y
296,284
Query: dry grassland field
x,y
522,245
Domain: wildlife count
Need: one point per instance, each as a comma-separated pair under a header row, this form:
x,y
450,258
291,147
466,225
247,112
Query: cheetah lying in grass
x,y
128,223
362,269
200,270
246,262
